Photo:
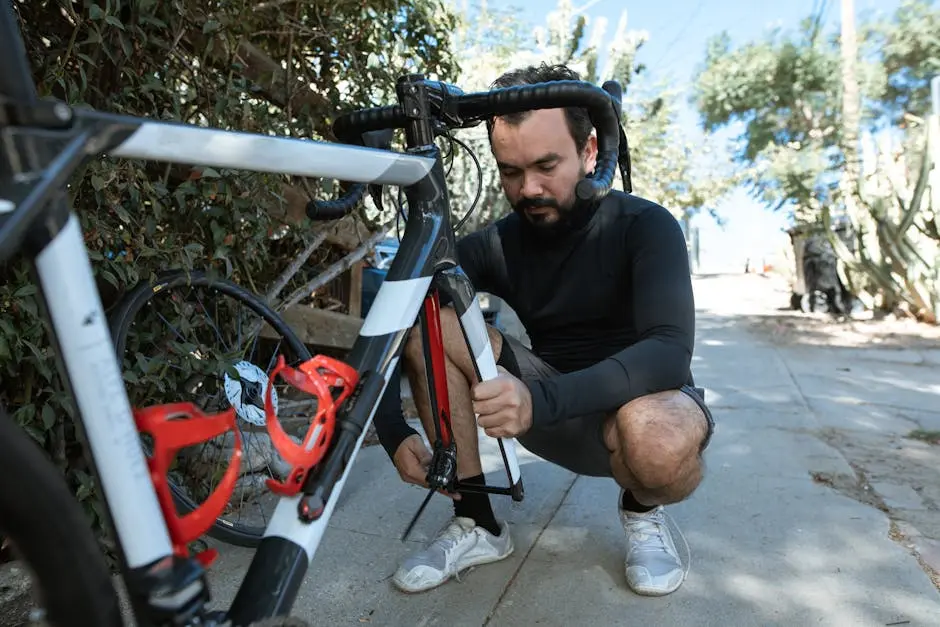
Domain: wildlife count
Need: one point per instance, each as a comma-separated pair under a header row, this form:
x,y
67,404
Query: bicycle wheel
x,y
52,536
171,317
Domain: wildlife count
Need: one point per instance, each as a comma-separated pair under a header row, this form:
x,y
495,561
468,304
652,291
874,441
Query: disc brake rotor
x,y
246,393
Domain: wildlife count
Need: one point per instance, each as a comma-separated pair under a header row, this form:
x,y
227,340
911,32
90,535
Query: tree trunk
x,y
851,180
850,98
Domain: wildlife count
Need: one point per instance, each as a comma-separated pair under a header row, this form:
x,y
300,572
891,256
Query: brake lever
x,y
381,139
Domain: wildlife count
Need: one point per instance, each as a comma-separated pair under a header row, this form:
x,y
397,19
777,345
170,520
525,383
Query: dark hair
x,y
579,122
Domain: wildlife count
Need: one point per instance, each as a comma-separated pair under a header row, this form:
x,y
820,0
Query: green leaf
x,y
113,21
25,414
26,290
108,276
94,37
144,364
153,20
127,48
7,327
124,216
37,352
35,434
218,232
48,417
95,12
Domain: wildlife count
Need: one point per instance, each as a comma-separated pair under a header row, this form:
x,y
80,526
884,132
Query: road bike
x,y
42,142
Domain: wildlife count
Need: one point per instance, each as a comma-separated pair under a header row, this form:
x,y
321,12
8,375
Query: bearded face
x,y
539,166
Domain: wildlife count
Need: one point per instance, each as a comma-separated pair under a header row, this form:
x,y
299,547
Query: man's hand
x,y
411,461
504,405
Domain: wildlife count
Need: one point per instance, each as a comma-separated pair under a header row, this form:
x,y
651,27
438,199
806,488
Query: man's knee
x,y
659,438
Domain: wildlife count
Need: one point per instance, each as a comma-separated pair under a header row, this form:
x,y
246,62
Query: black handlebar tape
x,y
363,127
350,126
616,95
325,210
597,187
557,94
551,95
349,129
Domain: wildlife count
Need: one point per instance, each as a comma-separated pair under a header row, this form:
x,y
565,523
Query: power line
x,y
681,32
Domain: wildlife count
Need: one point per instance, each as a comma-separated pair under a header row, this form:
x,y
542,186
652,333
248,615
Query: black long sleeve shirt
x,y
610,306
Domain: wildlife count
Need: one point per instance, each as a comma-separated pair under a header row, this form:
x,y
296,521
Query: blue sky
x,y
678,32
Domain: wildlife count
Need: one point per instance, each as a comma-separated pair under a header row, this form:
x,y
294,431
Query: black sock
x,y
476,505
629,503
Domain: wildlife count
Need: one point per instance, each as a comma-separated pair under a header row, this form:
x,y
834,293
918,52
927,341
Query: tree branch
x,y
294,267
333,271
268,74
271,79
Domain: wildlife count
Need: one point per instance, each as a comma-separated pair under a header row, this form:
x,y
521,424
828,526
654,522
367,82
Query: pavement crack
x,y
855,487
525,557
858,487
896,534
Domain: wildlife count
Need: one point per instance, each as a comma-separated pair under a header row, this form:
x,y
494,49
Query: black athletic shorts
x,y
576,444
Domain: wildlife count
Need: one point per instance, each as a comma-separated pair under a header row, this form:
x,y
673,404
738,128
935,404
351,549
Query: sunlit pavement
x,y
769,545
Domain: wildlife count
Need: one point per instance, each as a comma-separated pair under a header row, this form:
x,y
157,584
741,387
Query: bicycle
x,y
43,141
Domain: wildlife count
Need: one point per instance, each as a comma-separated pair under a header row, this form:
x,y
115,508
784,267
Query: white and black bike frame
x,y
41,145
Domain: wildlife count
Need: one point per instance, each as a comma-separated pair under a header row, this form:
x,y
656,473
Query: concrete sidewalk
x,y
769,545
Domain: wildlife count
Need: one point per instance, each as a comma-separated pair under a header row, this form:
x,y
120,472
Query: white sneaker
x,y
652,564
459,546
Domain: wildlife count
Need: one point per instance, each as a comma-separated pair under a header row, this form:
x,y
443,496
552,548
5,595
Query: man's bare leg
x,y
473,537
464,426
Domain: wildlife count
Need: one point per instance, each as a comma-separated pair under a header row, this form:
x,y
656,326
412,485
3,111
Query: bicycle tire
x,y
120,321
52,535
